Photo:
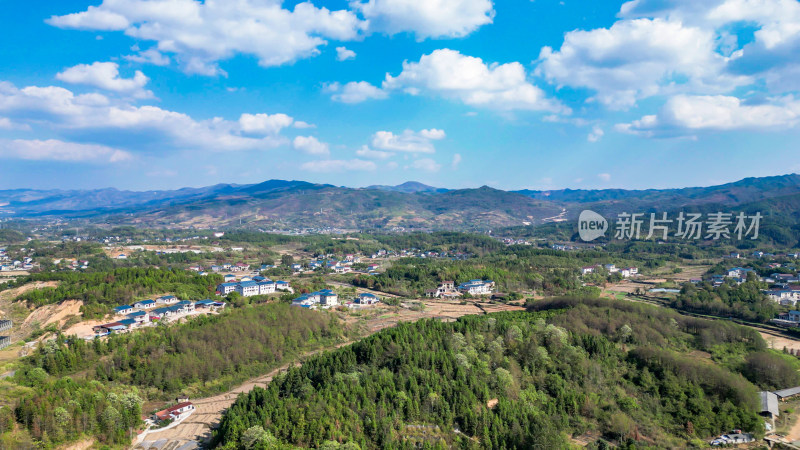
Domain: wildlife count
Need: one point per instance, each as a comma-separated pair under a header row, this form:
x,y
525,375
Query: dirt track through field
x,y
197,427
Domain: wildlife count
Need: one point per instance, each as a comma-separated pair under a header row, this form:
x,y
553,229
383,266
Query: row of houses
x,y
326,298
248,287
142,314
231,267
626,272
448,289
8,265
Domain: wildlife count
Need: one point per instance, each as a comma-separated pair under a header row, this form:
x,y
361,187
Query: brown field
x,y
779,341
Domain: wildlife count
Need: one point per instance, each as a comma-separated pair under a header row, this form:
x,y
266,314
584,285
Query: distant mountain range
x,y
412,205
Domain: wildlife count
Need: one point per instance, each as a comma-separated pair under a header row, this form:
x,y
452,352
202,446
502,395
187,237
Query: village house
x,y
367,299
266,287
226,288
167,300
587,270
176,412
140,317
122,310
477,287
325,298
786,297
738,272
247,288
446,289
144,304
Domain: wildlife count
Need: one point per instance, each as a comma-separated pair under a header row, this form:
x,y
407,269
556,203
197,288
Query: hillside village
x,y
149,312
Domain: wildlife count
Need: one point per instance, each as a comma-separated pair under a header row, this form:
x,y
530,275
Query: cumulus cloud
x,y
56,150
105,75
450,74
604,176
366,152
343,54
150,56
408,141
426,164
683,113
633,60
338,165
596,134
264,123
681,47
355,92
310,145
200,34
121,123
429,18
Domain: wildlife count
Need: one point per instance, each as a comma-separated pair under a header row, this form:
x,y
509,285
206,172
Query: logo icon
x,y
591,225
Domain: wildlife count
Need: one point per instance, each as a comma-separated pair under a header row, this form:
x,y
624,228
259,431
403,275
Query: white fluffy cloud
x,y
426,164
596,134
56,150
681,47
264,123
452,75
355,92
366,152
310,145
105,75
200,34
343,54
428,18
638,58
409,141
682,114
149,56
604,176
108,121
338,165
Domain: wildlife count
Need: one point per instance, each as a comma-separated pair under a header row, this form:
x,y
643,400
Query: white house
x,y
226,288
247,288
266,287
144,304
167,300
477,287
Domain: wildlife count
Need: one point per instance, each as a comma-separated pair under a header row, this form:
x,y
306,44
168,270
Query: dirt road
x,y
197,427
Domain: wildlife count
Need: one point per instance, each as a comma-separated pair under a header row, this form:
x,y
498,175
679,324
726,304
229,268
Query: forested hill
x,y
279,204
520,380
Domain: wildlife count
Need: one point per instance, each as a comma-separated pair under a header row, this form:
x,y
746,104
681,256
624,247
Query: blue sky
x,y
158,94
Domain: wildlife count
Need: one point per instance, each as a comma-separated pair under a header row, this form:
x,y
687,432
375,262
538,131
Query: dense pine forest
x,y
519,380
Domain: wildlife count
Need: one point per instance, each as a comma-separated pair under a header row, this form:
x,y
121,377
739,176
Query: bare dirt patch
x,y
779,342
